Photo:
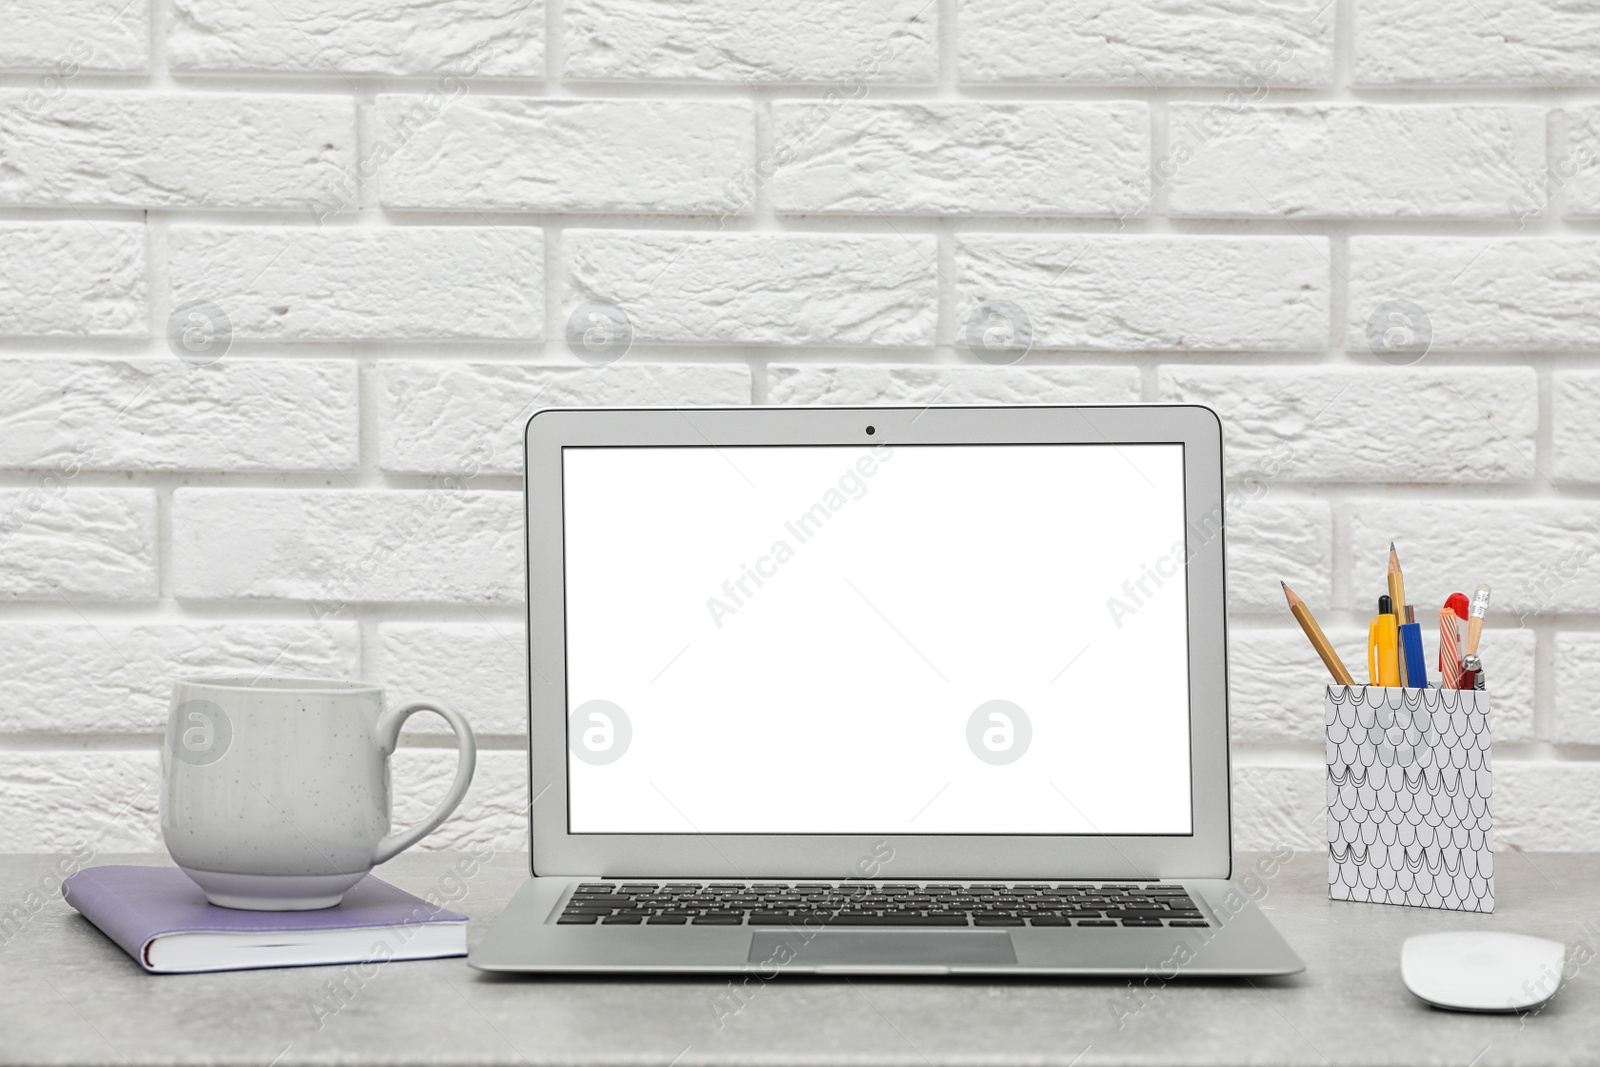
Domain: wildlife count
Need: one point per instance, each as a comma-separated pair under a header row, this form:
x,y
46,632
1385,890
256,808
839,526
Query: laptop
x,y
879,690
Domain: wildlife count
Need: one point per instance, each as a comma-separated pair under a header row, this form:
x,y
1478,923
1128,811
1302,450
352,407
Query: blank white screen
x,y
833,692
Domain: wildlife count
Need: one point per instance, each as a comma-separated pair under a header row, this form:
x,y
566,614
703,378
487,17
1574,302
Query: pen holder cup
x,y
1409,790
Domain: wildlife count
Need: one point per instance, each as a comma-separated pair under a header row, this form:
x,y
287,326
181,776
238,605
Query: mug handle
x,y
388,731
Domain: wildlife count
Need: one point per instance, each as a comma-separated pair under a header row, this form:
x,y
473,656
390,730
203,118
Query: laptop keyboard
x,y
879,904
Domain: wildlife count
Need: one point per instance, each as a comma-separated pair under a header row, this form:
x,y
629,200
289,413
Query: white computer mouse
x,y
1482,970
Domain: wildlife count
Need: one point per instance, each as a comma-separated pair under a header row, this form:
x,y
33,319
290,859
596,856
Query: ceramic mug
x,y
275,791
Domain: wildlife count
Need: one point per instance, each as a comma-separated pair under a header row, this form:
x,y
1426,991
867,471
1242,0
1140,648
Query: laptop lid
x,y
938,642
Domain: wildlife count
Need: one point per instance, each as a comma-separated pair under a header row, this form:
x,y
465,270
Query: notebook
x,y
164,921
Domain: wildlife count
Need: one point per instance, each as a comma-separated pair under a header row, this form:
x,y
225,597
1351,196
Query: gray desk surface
x,y
69,996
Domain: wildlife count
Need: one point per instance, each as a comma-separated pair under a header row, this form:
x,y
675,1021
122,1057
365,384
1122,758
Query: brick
x,y
116,677
943,158
1316,423
1136,292
62,37
1278,805
835,383
1276,680
1536,43
464,38
444,417
449,544
850,41
1575,425
522,154
1547,806
91,802
1339,161
156,150
72,279
349,283
1576,175
1480,293
65,543
1269,541
1538,556
1106,42
478,669
759,288
163,414
1577,682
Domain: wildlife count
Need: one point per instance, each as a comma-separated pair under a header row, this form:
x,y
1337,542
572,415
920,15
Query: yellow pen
x,y
1383,646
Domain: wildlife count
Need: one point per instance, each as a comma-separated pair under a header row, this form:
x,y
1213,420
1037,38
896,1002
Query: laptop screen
x,y
841,640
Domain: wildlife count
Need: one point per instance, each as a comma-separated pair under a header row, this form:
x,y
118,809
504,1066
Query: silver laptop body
x,y
888,690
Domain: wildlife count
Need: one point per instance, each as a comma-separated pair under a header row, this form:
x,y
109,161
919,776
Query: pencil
x,y
1397,594
1318,639
1480,608
1397,581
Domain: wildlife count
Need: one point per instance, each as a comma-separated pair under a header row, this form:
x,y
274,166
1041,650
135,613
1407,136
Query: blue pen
x,y
1411,649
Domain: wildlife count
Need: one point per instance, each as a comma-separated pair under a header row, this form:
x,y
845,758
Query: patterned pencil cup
x,y
1409,789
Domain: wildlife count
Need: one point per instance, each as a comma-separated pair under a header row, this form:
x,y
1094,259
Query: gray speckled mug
x,y
275,791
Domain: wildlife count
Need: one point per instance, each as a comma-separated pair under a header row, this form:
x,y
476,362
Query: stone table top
x,y
70,996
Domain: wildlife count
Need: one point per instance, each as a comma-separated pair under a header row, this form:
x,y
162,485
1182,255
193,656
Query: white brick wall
x,y
73,279
389,215
961,159
116,149
502,153
67,36
751,41
1321,161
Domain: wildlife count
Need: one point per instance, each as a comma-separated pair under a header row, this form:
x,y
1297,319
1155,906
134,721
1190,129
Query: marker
x,y
1471,672
1319,640
1416,661
1383,653
1397,597
1451,616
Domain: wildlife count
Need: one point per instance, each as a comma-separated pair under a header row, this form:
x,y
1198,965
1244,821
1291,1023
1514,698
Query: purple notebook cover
x,y
135,905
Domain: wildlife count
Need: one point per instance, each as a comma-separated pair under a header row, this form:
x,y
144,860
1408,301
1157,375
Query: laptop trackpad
x,y
865,948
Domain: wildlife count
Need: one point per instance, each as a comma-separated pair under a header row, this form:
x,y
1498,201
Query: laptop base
x,y
1239,942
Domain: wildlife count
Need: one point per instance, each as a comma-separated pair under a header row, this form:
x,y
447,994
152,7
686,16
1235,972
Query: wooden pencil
x,y
1318,639
1475,614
